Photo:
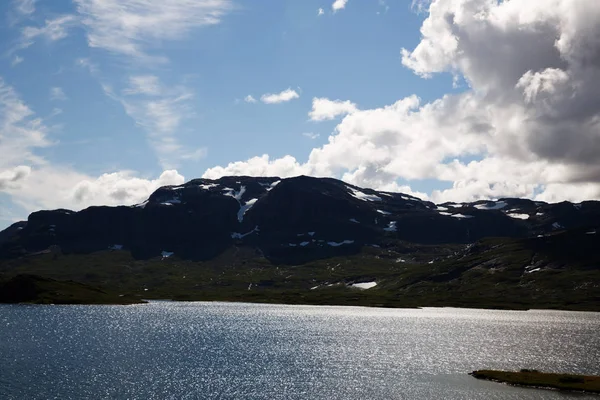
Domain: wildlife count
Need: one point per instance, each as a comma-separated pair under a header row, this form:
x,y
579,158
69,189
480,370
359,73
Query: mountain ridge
x,y
271,239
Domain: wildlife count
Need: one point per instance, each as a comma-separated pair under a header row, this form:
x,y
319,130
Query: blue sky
x,y
114,93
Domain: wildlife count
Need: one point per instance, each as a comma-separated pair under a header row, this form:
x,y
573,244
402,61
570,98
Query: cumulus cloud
x,y
127,26
338,5
249,99
281,97
528,125
325,109
11,178
284,167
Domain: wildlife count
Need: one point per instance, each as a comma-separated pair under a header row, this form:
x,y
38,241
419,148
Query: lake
x,y
168,350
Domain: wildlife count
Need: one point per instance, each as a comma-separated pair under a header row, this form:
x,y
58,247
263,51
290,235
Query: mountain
x,y
223,231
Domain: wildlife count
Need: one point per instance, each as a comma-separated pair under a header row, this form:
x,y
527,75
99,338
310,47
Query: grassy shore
x,y
533,378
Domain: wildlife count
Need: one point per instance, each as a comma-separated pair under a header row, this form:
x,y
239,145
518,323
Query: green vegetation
x,y
37,290
493,273
534,378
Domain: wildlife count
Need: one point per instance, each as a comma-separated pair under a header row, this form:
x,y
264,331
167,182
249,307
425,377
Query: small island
x,y
534,378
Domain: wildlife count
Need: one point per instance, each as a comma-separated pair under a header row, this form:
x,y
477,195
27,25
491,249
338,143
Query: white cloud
x,y
16,61
129,26
338,5
53,30
33,183
11,177
160,110
311,135
51,187
249,99
259,166
320,12
144,84
20,131
531,126
57,93
25,7
325,109
284,96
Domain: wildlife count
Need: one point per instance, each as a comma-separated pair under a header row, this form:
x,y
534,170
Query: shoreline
x,y
147,301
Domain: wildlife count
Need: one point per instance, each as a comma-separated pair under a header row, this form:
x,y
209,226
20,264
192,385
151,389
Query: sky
x,y
104,101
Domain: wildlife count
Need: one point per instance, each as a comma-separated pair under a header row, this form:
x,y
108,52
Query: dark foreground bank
x,y
533,378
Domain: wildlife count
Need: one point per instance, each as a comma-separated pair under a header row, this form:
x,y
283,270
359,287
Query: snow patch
x,y
494,205
518,215
243,209
539,214
141,205
531,268
208,186
311,234
236,235
592,232
116,247
391,227
556,225
304,244
354,220
461,216
269,186
364,285
363,196
337,244
453,205
292,244
166,254
235,194
383,212
440,208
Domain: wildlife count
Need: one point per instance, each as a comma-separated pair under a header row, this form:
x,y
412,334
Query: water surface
x,y
166,350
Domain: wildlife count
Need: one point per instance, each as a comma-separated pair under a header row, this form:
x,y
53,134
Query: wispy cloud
x,y
53,30
338,5
57,93
311,135
25,7
19,130
249,99
144,84
33,183
281,97
16,61
129,26
320,12
159,110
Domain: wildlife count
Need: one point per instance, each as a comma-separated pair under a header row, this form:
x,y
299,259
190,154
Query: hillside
x,y
319,241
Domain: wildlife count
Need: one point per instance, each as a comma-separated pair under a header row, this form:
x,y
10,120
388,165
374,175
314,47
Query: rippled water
x,y
167,350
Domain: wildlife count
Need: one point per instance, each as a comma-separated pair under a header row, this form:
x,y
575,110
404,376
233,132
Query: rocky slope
x,y
286,219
